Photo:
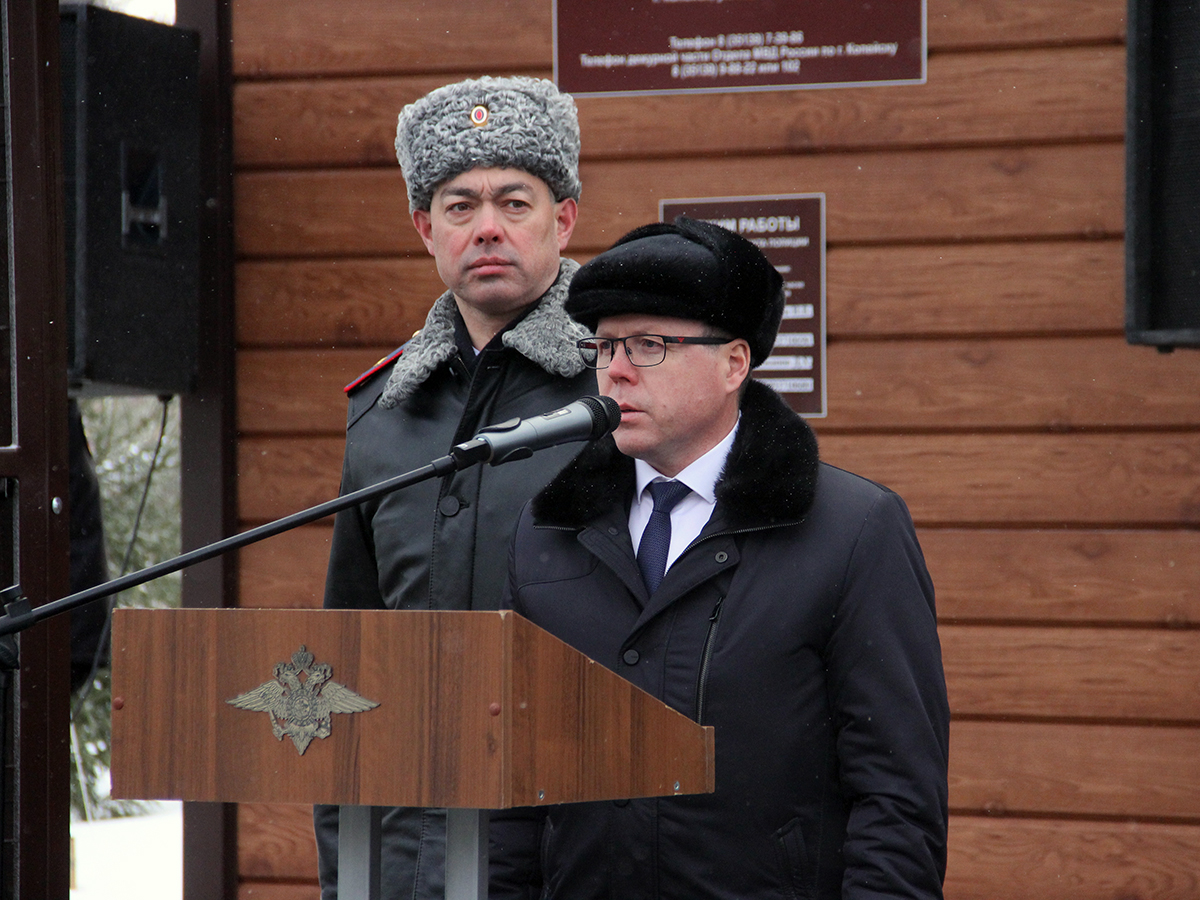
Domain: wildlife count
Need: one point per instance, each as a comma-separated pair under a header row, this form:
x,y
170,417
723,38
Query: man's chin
x,y
496,293
628,441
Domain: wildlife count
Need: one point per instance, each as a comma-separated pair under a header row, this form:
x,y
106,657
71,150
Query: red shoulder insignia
x,y
386,361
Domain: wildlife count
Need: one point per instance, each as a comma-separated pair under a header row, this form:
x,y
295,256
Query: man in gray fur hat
x,y
492,169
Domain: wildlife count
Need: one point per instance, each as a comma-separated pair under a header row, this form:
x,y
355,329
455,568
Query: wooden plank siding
x,y
1002,289
1021,96
954,385
289,38
976,364
1052,192
1100,577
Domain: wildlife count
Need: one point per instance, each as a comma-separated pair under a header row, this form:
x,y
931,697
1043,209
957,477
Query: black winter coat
x,y
442,544
800,624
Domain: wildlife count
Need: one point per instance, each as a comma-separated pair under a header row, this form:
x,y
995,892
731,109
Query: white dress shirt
x,y
690,514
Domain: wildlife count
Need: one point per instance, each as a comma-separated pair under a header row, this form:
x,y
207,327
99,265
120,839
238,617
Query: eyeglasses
x,y
643,350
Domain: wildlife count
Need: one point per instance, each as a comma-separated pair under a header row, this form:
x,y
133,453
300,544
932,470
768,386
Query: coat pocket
x,y
797,869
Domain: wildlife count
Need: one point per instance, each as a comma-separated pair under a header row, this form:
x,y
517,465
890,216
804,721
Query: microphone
x,y
586,419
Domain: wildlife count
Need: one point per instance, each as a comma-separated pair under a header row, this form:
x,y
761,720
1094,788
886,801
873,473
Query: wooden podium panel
x,y
475,710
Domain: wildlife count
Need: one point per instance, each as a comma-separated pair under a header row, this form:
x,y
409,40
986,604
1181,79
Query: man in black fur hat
x,y
704,553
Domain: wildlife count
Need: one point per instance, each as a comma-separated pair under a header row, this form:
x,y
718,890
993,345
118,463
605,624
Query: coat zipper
x,y
706,659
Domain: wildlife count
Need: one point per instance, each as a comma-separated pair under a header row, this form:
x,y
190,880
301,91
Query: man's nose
x,y
488,230
619,367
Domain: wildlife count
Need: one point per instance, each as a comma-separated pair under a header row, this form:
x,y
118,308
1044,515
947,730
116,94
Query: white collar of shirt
x,y
692,513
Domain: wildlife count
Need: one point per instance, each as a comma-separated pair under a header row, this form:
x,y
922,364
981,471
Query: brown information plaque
x,y
790,231
668,46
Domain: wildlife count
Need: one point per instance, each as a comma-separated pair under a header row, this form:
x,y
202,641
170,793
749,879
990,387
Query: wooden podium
x,y
472,711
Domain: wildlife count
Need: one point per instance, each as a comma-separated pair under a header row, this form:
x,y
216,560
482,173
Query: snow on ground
x,y
130,858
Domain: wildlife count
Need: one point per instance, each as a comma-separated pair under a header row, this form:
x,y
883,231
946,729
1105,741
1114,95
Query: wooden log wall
x,y
976,364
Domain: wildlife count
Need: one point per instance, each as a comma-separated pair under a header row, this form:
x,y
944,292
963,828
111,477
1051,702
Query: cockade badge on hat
x,y
301,699
479,116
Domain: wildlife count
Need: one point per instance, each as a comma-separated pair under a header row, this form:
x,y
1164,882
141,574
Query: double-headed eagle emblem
x,y
301,700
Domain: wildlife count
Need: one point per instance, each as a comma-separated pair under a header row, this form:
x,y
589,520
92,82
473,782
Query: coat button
x,y
631,657
449,506
722,556
620,804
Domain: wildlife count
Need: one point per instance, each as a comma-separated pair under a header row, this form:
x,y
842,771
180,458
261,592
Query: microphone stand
x,y
359,839
19,615
359,836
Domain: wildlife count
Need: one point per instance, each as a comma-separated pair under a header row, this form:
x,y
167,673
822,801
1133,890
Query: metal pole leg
x,y
466,854
358,852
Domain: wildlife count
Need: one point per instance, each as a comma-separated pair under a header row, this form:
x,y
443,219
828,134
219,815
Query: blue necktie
x,y
656,539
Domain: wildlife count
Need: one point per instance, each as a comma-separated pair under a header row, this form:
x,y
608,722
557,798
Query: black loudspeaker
x,y
1162,174
131,136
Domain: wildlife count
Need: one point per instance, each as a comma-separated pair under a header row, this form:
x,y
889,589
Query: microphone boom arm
x,y
19,615
486,447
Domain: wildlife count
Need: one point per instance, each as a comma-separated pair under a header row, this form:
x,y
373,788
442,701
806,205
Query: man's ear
x,y
738,357
565,213
424,225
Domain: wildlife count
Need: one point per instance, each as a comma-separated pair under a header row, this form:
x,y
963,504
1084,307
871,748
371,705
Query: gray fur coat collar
x,y
546,336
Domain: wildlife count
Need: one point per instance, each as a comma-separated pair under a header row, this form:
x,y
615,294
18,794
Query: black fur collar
x,y
769,477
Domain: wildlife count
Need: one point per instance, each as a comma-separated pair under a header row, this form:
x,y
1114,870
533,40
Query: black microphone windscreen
x,y
606,414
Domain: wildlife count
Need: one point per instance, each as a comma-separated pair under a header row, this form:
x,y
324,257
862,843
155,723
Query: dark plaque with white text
x,y
790,231
665,46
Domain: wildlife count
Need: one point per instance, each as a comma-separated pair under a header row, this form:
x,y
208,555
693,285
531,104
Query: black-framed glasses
x,y
643,350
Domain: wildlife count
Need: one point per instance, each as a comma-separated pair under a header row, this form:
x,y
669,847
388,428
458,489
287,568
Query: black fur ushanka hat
x,y
688,269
